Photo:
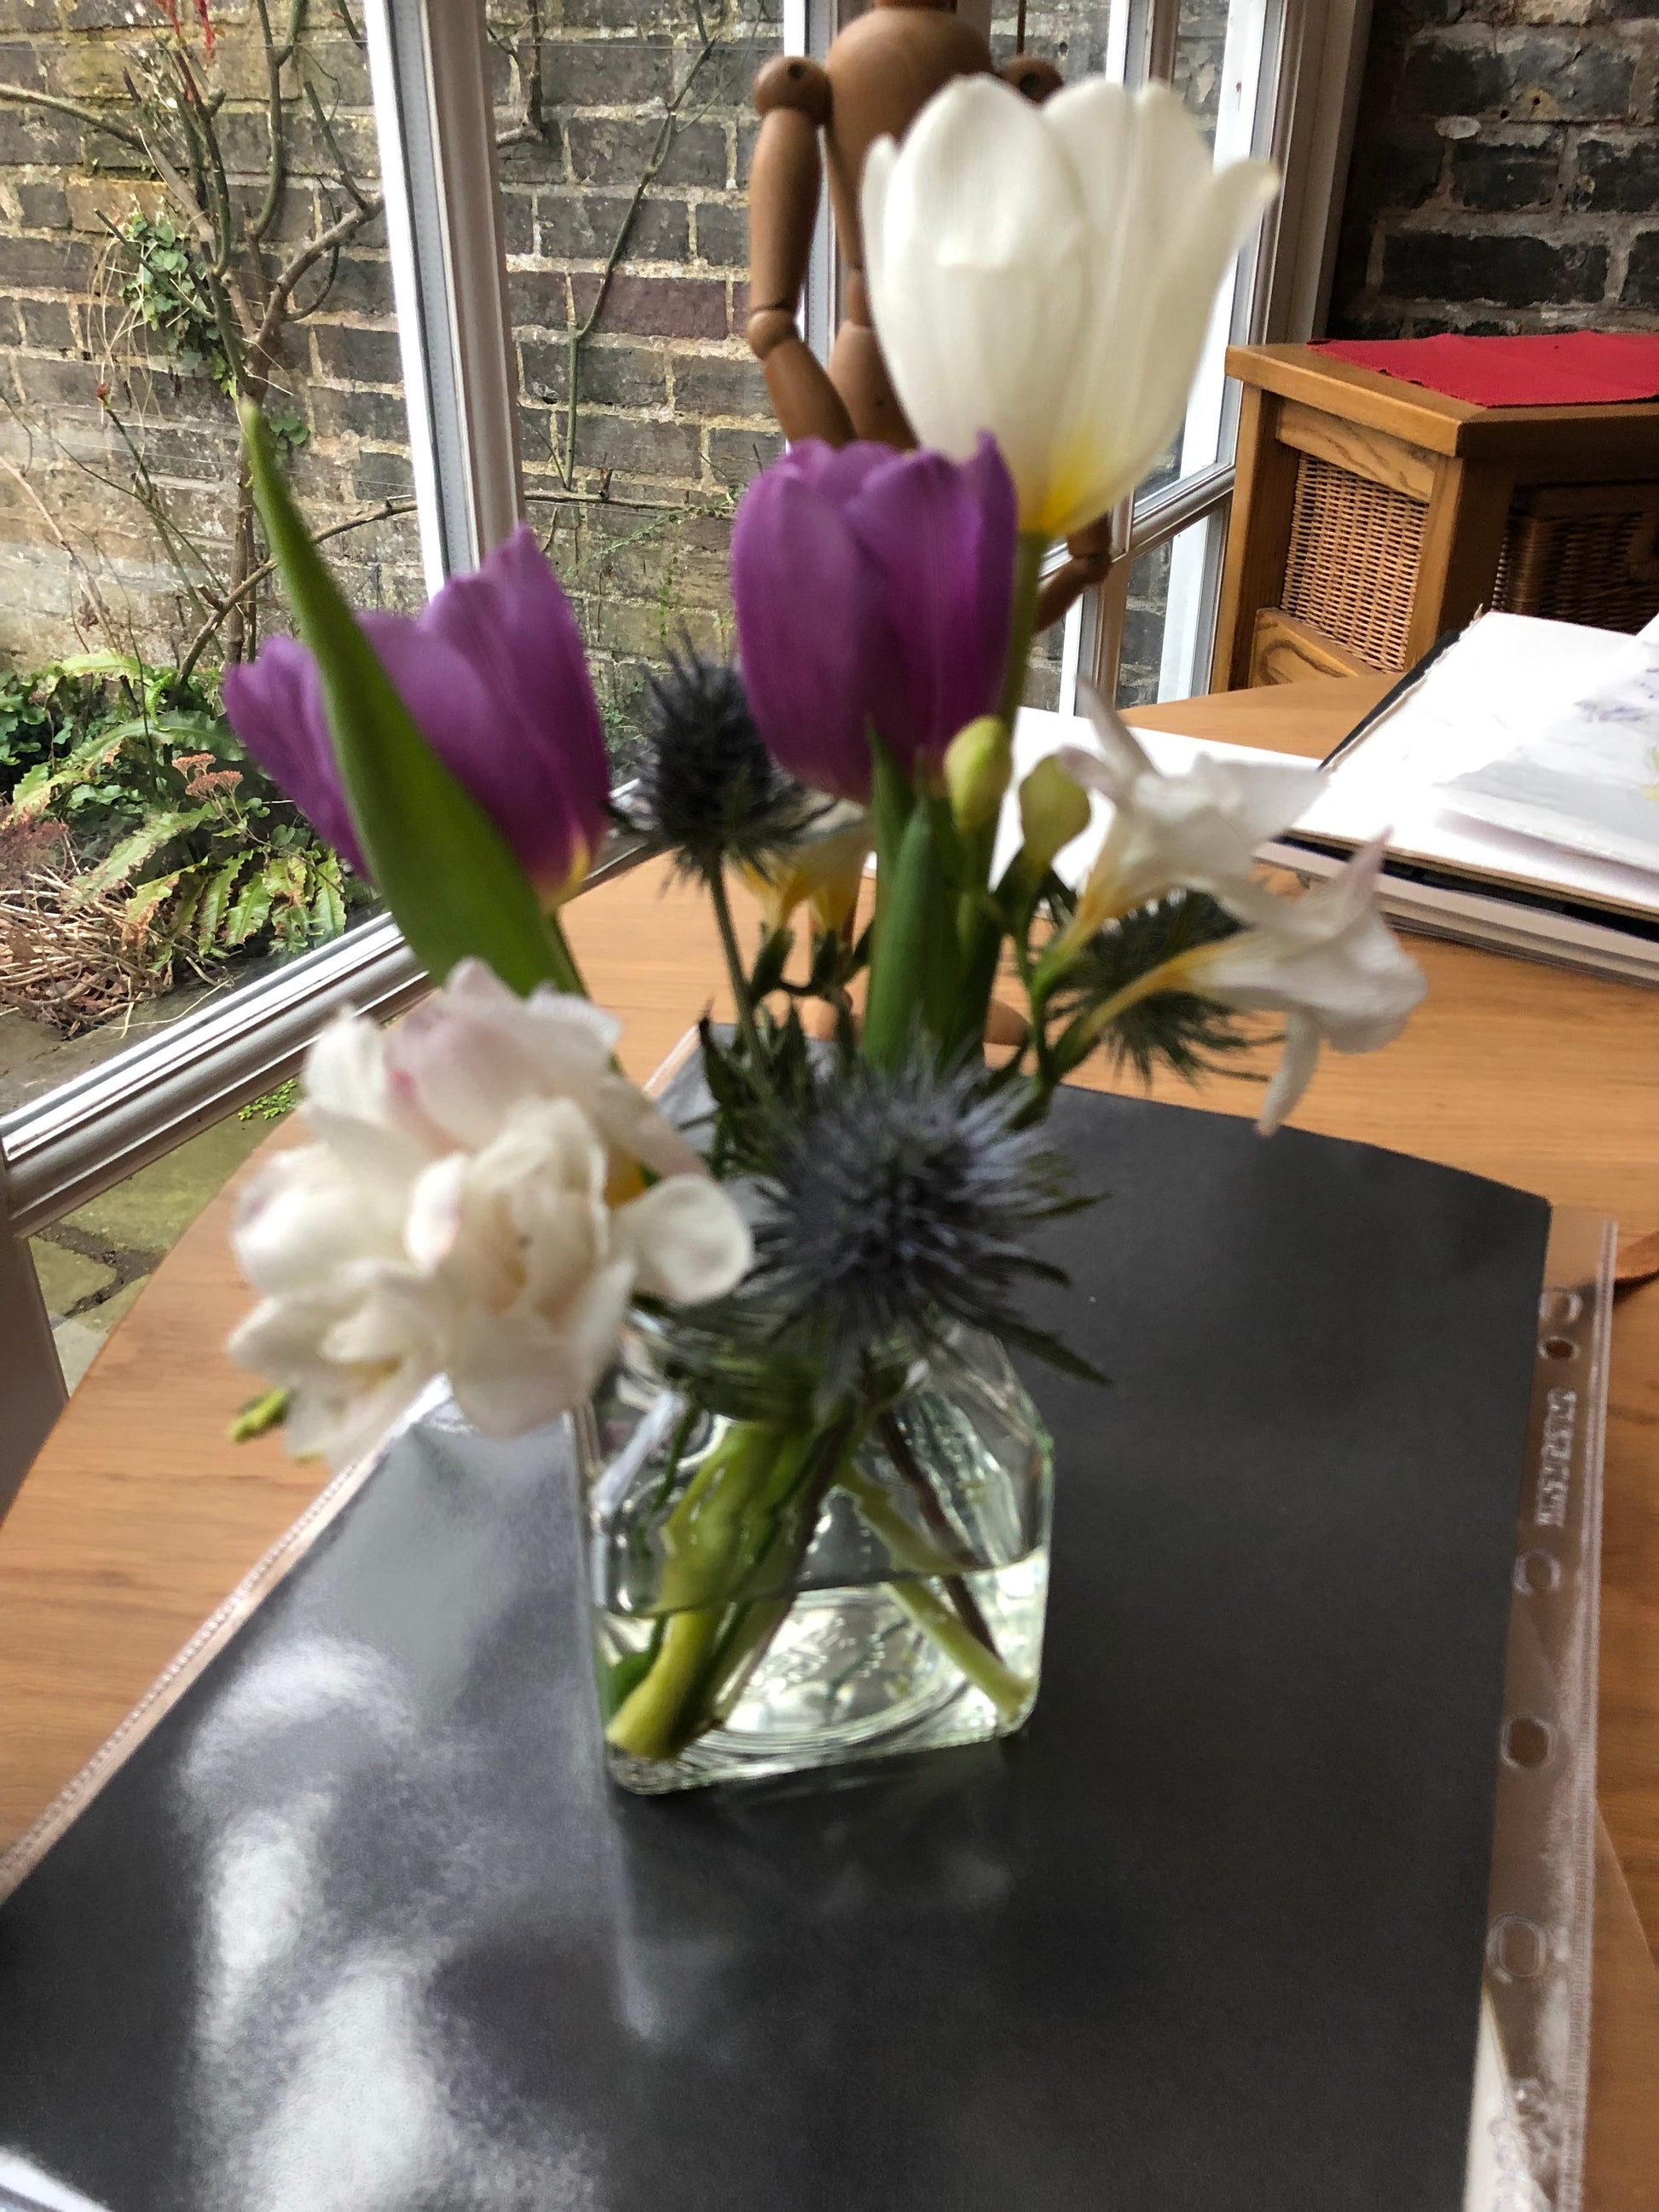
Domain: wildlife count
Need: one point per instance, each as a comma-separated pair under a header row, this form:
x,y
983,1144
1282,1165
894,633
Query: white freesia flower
x,y
1047,274
473,1206
1196,831
1327,962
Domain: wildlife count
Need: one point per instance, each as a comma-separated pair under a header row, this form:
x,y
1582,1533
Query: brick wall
x,y
670,416
1506,170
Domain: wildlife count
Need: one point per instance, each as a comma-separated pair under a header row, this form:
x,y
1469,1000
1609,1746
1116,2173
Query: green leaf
x,y
216,897
139,845
139,913
448,875
773,958
249,915
903,975
327,906
36,791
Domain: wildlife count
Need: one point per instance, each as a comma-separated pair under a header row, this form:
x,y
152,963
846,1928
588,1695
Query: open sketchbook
x,y
1517,780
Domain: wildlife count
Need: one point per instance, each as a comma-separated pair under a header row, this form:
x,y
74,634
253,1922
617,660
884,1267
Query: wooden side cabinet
x,y
1370,516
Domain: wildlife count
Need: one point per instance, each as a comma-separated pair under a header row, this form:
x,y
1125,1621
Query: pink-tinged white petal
x,y
687,1240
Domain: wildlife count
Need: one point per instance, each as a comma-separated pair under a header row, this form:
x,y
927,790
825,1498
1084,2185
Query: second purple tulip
x,y
873,589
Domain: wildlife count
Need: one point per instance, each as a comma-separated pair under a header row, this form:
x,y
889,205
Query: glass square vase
x,y
769,1597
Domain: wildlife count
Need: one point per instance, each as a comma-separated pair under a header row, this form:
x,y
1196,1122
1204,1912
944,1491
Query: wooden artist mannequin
x,y
880,73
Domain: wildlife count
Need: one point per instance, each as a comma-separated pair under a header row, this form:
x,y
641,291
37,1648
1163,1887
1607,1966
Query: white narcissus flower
x,y
1327,962
473,1207
1048,274
1198,831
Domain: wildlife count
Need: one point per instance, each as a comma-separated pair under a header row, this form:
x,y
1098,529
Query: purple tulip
x,y
493,672
872,587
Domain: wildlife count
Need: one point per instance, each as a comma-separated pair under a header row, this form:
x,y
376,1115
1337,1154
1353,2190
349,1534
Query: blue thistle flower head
x,y
900,1203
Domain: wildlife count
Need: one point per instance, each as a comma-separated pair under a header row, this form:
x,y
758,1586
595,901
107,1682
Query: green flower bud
x,y
1053,810
978,767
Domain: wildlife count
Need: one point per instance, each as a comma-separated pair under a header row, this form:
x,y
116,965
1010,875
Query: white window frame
x,y
429,68
434,118
1291,72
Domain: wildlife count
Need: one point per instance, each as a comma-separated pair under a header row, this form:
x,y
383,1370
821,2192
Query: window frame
x,y
1307,58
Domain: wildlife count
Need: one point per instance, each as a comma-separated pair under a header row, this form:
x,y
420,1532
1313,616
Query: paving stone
x,y
65,1277
150,1210
77,1347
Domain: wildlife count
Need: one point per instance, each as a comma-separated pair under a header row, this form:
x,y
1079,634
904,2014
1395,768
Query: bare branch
x,y
354,191
296,24
327,241
277,161
23,97
387,511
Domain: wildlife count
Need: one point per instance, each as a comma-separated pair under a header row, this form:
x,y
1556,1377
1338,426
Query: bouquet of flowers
x,y
815,1492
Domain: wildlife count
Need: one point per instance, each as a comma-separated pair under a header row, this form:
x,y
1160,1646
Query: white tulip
x,y
1328,964
1048,274
473,1207
1197,831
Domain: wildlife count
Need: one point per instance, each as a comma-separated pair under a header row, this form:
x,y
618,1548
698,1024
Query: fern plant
x,y
166,814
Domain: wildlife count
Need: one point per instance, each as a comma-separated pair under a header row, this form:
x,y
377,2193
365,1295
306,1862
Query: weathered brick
x,y
197,454
1511,271
360,286
381,476
347,354
581,225
11,329
712,385
1616,175
663,452
537,299
518,219
21,64
49,323
659,306
1640,290
359,414
607,150
43,205
28,15
722,233
45,264
1534,76
622,72
29,135
611,375
735,456
1496,178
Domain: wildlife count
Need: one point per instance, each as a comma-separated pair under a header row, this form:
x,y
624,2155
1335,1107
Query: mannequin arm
x,y
793,96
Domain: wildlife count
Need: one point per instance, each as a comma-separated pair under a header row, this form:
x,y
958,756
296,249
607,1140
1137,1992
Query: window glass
x,y
93,1262
643,413
1169,617
154,233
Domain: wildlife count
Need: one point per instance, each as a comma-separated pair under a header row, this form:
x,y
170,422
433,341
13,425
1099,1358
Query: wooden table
x,y
139,1516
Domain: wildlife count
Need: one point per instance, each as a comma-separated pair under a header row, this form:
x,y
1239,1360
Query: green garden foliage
x,y
164,813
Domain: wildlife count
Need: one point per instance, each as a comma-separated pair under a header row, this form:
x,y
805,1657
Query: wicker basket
x,y
1583,553
1354,550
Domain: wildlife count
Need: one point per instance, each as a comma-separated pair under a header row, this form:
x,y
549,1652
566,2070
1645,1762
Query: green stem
x,y
979,931
734,969
566,973
1022,627
649,1722
1008,1691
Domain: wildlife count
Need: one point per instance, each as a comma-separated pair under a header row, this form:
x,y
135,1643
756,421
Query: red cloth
x,y
1579,369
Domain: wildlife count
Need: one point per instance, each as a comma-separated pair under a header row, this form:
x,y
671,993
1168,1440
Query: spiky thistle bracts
x,y
708,788
902,1201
